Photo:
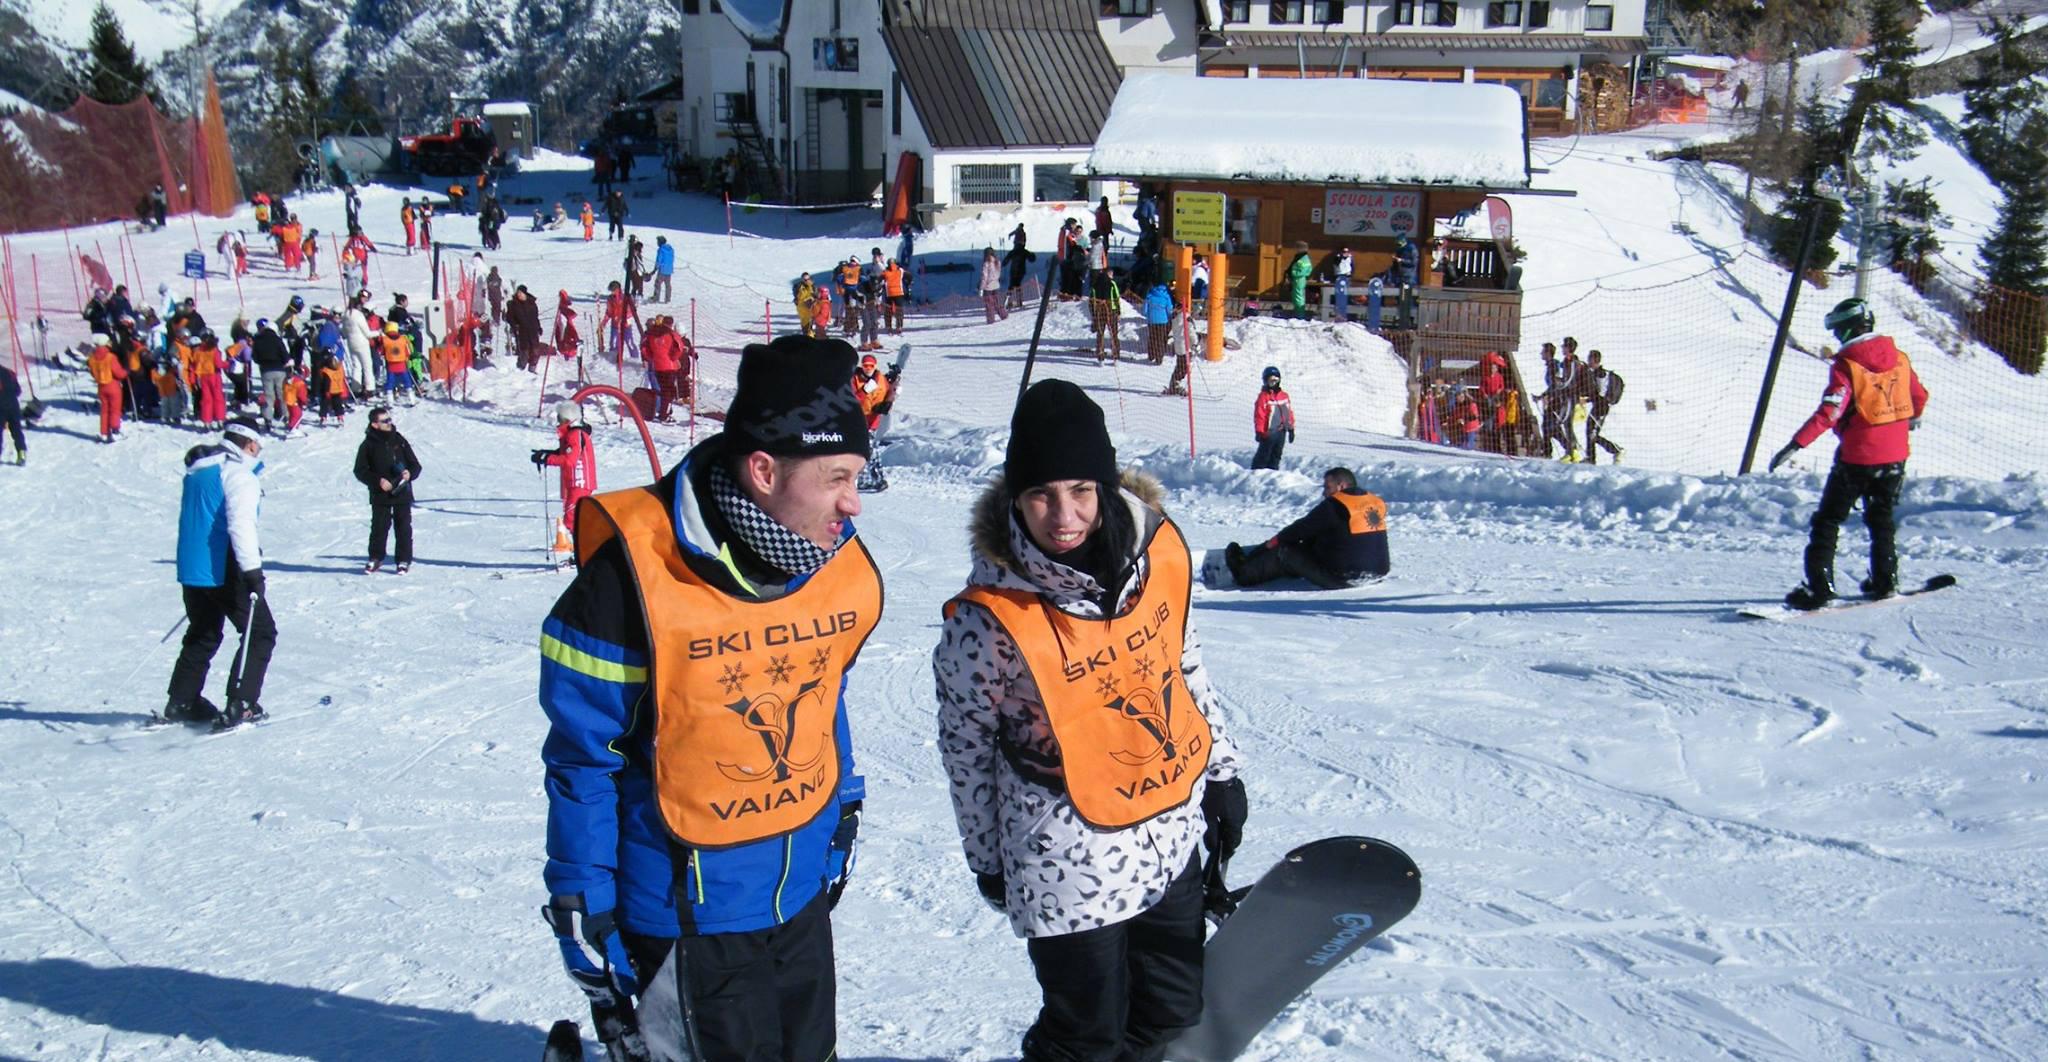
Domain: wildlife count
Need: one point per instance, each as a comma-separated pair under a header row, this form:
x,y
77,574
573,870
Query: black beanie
x,y
796,399
1057,433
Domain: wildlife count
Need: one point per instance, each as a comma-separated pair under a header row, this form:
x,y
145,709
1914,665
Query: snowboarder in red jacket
x,y
1272,420
1873,402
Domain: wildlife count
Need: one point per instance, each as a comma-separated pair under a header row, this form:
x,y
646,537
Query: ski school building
x,y
1252,172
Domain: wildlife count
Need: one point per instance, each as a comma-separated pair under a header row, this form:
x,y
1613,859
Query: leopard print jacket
x,y
1061,875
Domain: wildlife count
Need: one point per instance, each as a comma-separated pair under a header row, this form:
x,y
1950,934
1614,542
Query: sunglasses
x,y
381,421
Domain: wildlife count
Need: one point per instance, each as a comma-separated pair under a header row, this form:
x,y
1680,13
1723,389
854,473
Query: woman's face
x,y
1060,515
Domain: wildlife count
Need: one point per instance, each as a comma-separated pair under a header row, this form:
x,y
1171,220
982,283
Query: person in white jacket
x,y
362,371
1082,740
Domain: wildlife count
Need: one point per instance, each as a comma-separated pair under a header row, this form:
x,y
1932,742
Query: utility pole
x,y
1869,231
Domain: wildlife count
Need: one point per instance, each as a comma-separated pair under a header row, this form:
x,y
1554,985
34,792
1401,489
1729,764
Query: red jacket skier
x,y
1873,401
568,343
573,455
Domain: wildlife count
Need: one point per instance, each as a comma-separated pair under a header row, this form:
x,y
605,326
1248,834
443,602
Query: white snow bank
x,y
1281,129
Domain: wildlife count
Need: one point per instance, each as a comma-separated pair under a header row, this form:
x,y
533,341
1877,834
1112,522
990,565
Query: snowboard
x,y
1843,604
895,378
1317,906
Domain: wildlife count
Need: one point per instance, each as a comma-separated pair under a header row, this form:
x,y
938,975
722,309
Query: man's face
x,y
1331,487
812,496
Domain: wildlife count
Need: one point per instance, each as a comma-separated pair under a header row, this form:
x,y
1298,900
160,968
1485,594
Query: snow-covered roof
x,y
507,108
1702,62
759,21
1320,131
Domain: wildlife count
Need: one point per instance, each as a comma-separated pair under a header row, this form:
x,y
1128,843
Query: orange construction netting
x,y
96,162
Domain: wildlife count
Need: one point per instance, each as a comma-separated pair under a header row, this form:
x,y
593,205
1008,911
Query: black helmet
x,y
1851,318
298,303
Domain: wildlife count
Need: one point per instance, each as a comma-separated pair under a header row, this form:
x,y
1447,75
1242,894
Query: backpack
x,y
1614,387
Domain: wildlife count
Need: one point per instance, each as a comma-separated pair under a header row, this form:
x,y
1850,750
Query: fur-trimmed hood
x,y
1005,557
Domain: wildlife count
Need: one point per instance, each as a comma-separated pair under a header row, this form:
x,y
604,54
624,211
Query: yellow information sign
x,y
1198,217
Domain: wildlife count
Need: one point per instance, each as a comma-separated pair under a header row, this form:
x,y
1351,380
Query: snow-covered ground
x,y
1647,829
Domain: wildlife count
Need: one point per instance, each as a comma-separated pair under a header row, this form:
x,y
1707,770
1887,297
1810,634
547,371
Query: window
x,y
1404,12
1126,8
1285,11
1057,184
1237,11
1551,93
980,182
690,7
1600,16
1327,12
1539,14
1504,14
1439,12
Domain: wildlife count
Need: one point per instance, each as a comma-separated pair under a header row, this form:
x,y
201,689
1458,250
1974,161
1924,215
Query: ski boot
x,y
196,710
238,712
1805,597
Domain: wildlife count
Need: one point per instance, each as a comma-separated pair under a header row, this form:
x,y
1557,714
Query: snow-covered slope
x,y
1647,830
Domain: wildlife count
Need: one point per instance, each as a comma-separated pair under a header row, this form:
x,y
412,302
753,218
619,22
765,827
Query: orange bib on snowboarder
x,y
1882,397
745,693
1132,740
1366,512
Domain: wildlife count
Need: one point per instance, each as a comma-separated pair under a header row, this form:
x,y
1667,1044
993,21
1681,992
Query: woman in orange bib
x,y
1077,729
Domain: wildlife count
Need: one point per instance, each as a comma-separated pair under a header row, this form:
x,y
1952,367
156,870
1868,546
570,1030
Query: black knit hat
x,y
1057,433
796,399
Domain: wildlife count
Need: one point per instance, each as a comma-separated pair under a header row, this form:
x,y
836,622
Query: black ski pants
x,y
769,995
1264,565
1121,992
1270,447
13,425
386,517
1596,418
206,609
1877,487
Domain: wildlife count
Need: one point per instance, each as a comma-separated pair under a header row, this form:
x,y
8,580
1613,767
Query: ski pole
x,y
241,652
547,513
151,655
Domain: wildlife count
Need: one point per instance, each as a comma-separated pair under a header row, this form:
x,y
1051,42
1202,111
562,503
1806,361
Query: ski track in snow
x,y
1646,829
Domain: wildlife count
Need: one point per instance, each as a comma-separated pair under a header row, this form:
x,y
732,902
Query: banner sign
x,y
1371,212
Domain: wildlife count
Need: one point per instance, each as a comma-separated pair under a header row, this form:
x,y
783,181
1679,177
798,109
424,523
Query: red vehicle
x,y
466,148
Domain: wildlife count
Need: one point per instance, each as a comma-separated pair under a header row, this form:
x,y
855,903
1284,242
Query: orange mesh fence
x,y
95,162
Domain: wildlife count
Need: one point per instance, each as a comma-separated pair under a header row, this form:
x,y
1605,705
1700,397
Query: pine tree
x,y
1886,90
111,72
1996,101
1912,214
2013,318
1817,149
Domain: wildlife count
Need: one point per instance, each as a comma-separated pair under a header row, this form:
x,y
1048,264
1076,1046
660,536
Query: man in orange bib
x,y
702,797
1873,401
1087,764
1341,541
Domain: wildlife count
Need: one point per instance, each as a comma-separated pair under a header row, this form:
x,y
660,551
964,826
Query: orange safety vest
x,y
892,278
1882,397
397,352
1132,740
336,382
102,365
294,393
1367,512
745,692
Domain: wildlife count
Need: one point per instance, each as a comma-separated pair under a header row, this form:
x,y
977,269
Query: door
x,y
1272,256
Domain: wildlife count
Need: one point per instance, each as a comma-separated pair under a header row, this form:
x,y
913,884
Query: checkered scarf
x,y
778,546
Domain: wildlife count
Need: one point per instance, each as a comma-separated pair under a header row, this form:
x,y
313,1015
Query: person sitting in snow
x,y
1341,541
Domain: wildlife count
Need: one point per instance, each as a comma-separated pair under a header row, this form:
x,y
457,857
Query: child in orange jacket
x,y
333,392
106,370
589,222
294,399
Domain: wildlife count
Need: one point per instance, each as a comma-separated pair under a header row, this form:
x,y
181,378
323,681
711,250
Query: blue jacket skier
x,y
220,570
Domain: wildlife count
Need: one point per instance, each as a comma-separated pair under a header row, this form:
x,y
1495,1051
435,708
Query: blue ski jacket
x,y
217,510
606,840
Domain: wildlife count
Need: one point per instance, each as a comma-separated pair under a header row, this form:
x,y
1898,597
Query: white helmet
x,y
568,412
101,339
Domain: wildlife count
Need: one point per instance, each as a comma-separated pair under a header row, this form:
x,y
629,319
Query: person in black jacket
x,y
386,464
1341,541
267,349
10,413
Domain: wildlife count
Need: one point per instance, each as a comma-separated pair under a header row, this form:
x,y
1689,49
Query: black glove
x,y
1290,435
540,457
992,890
1783,455
252,582
1224,808
839,858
